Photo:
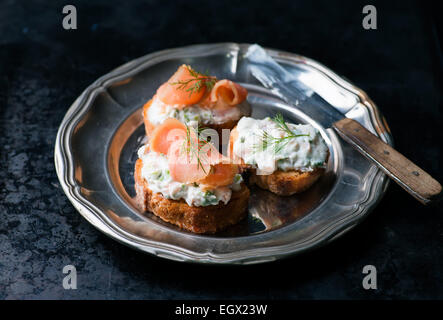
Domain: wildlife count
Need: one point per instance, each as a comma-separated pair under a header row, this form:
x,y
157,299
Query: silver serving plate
x,y
98,138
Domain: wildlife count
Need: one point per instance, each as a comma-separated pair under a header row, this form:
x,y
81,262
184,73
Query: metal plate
x,y
98,138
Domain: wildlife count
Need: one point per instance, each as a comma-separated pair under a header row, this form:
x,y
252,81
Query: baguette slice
x,y
282,183
209,219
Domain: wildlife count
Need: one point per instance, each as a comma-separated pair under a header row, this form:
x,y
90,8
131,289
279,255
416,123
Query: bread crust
x,y
287,183
208,219
282,183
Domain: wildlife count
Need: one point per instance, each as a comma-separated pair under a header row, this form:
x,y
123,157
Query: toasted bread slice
x,y
282,183
208,219
287,183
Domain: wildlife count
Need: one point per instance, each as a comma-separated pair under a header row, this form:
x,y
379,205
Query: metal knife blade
x,y
288,87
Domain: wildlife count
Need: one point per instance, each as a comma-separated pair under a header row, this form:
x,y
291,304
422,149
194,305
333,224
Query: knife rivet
x,y
415,173
385,151
356,130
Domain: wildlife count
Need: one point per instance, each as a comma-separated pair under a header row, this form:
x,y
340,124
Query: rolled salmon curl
x,y
230,92
173,92
165,134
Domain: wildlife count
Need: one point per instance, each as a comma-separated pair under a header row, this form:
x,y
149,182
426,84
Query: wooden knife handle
x,y
409,176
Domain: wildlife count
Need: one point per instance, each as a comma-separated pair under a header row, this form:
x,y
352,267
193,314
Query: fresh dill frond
x,y
280,122
198,81
193,146
278,143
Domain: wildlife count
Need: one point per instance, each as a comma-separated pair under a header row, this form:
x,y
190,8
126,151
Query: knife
x,y
288,86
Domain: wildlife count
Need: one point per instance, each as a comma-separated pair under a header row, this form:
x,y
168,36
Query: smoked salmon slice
x,y
176,91
184,166
188,87
199,162
165,134
230,92
222,174
191,159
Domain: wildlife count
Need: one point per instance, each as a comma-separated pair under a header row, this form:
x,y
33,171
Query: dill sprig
x,y
194,146
278,143
198,81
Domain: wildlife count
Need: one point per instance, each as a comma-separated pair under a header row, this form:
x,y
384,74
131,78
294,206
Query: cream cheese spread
x,y
193,114
262,144
155,171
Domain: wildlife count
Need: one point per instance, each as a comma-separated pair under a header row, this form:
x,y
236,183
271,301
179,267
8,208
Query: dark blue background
x,y
43,68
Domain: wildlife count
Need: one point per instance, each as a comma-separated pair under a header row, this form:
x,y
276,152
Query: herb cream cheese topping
x,y
191,115
156,173
273,144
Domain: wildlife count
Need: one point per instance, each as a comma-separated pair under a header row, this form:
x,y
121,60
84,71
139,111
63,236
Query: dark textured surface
x,y
43,68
